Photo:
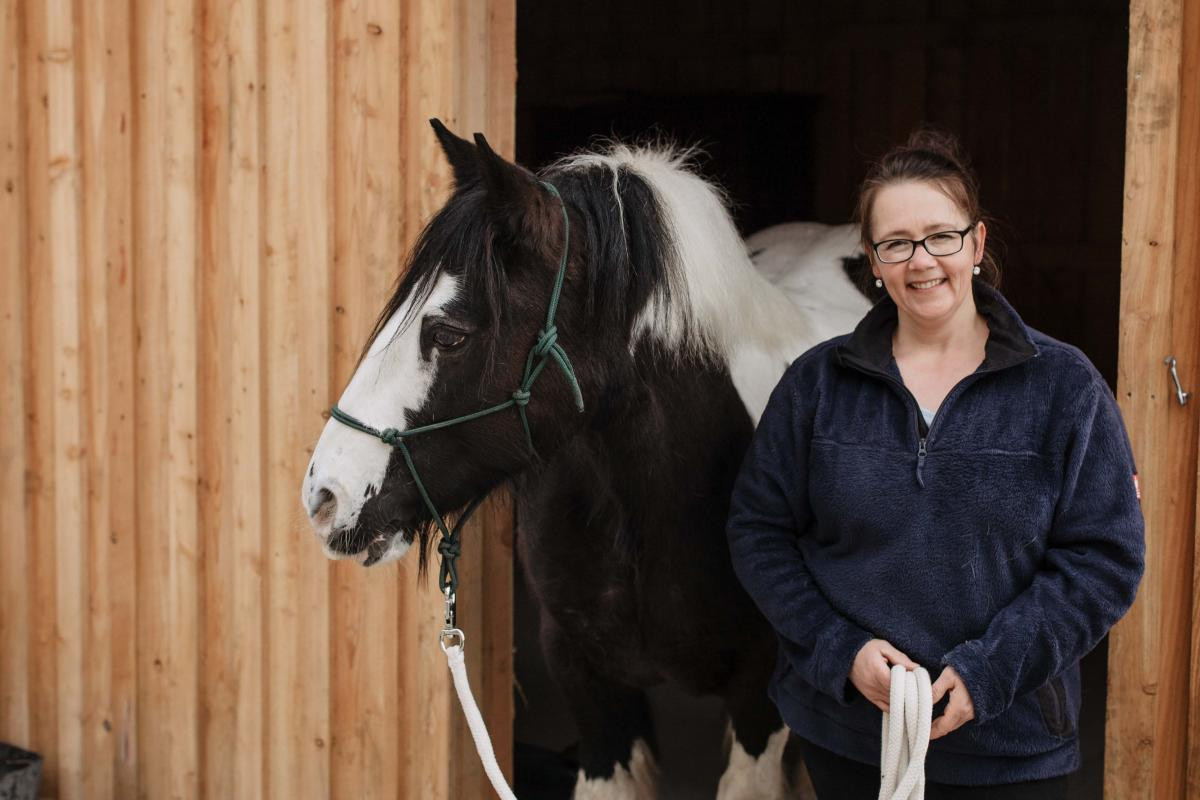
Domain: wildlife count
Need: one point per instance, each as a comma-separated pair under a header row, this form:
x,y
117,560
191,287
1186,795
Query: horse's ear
x,y
461,154
513,193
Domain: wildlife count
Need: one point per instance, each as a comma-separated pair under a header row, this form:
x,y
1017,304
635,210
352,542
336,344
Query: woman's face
x,y
927,289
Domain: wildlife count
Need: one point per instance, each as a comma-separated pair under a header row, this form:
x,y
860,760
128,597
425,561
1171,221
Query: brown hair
x,y
930,156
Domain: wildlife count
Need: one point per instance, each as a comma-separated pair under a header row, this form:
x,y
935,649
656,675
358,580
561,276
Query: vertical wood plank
x,y
15,586
297,251
231,507
68,457
1147,659
109,720
39,404
1187,266
429,90
166,254
367,674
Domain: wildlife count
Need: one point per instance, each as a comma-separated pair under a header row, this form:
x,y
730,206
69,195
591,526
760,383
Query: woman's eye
x,y
446,339
895,245
941,238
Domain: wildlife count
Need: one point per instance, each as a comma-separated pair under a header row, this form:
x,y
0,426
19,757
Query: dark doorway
x,y
791,101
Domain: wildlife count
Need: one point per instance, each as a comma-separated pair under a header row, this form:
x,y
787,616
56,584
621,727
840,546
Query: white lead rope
x,y
906,736
483,742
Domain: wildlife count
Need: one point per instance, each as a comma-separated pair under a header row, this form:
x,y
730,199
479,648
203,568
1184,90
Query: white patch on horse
x,y
730,312
636,783
804,261
392,379
762,778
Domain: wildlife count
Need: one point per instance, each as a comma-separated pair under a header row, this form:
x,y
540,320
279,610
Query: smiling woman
x,y
945,448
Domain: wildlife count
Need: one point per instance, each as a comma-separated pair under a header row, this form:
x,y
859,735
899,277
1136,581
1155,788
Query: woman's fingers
x,y
894,656
942,685
959,710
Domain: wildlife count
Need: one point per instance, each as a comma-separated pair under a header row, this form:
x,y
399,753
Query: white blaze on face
x,y
391,380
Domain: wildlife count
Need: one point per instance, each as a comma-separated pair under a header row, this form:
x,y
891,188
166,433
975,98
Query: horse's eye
x,y
447,339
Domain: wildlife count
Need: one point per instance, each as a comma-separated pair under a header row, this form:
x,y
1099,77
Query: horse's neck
x,y
664,446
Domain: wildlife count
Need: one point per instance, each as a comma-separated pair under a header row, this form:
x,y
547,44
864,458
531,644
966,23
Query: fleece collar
x,y
1008,341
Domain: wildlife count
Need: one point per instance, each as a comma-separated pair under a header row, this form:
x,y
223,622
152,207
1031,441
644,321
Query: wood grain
x,y
1148,650
104,73
231,414
165,250
15,583
298,311
204,206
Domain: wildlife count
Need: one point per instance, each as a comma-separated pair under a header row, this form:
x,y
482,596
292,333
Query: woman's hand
x,y
871,673
959,710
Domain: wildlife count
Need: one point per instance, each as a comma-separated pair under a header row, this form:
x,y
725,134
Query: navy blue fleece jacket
x,y
1004,539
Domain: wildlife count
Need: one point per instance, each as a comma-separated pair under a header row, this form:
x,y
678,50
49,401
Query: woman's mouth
x,y
924,285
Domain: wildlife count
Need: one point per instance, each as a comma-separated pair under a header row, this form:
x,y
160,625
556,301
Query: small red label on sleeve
x,y
1137,487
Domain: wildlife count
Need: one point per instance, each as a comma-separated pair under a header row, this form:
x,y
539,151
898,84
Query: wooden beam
x,y
1149,649
109,721
15,588
297,45
166,201
230,409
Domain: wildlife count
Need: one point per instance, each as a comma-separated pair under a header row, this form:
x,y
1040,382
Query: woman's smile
x,y
924,286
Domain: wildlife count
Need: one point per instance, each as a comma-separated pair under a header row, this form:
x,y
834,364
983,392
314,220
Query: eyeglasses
x,y
942,243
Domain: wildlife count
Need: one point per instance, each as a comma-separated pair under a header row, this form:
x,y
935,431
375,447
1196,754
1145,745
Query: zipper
x,y
921,462
923,430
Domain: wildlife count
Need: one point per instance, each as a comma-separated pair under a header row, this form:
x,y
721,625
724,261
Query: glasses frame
x,y
962,240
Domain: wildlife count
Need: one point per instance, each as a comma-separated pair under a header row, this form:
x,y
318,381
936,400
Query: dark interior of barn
x,y
790,102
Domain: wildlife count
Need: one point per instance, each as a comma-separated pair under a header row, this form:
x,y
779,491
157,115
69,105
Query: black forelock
x,y
460,240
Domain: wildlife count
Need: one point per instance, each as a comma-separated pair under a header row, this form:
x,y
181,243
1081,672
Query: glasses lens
x,y
946,243
894,251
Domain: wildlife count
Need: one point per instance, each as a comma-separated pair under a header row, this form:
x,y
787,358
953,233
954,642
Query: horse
x,y
623,460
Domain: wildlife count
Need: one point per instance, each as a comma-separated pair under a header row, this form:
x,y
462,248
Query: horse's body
x,y
621,517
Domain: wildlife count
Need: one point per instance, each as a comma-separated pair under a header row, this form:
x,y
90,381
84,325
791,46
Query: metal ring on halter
x,y
447,636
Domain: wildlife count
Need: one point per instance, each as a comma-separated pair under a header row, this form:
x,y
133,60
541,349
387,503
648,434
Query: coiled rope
x,y
906,735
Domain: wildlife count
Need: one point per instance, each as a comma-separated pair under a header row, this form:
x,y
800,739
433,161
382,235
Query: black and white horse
x,y
676,341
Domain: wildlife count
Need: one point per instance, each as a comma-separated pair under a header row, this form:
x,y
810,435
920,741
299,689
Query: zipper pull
x,y
921,462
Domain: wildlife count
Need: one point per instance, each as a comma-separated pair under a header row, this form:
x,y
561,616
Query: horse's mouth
x,y
370,549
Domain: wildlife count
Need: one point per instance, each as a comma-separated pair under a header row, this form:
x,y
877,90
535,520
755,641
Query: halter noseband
x,y
545,349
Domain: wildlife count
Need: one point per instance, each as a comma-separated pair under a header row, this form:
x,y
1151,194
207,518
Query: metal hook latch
x,y
1180,394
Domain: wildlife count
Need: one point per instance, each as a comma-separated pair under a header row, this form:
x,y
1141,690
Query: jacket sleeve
x,y
1089,576
769,509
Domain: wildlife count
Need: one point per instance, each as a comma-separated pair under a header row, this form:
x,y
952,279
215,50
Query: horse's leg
x,y
616,740
756,737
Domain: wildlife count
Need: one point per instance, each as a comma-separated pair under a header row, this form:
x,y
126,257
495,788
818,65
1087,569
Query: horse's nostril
x,y
322,506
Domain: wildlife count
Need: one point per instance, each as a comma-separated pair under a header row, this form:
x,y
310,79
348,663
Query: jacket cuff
x,y
838,647
971,663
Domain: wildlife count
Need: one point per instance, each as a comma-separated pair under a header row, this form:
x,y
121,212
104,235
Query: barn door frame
x,y
1152,746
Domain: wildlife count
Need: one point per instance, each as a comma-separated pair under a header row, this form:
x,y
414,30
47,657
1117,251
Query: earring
x,y
976,271
879,282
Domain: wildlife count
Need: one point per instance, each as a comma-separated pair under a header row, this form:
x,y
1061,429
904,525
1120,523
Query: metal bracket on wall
x,y
1180,394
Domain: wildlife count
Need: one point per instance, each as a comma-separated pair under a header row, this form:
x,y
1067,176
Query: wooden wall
x,y
204,204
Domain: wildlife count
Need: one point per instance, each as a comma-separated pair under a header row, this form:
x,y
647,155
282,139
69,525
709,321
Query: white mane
x,y
721,306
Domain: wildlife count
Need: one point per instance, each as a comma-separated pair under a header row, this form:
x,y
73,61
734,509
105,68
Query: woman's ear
x,y
980,240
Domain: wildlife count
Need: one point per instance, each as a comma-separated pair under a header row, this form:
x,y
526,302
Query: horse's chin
x,y
382,549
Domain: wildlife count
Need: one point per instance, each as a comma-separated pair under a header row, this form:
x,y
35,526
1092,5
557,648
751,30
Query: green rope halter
x,y
544,350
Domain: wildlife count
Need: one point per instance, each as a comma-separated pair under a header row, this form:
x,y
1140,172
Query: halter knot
x,y
449,548
390,436
521,397
546,340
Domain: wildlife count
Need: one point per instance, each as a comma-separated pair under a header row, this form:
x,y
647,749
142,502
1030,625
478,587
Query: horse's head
x,y
454,339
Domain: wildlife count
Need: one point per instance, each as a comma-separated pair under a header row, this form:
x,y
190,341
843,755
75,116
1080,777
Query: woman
x,y
944,487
